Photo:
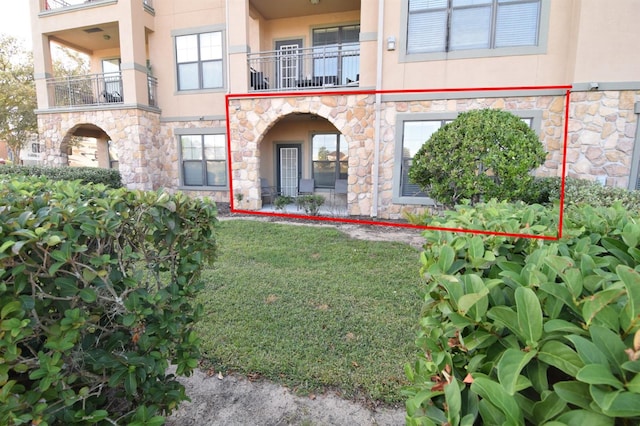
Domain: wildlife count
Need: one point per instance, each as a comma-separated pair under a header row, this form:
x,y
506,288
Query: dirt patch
x,y
236,400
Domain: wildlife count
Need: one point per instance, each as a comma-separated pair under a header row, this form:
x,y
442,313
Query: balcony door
x,y
288,67
112,80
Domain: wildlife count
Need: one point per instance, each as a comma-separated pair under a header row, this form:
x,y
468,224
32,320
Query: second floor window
x,y
449,25
199,59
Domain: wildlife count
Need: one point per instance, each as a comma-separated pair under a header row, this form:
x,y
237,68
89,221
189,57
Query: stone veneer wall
x,y
601,134
170,164
352,115
551,131
134,133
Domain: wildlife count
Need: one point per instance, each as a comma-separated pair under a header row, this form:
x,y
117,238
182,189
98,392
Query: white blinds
x,y
445,25
517,24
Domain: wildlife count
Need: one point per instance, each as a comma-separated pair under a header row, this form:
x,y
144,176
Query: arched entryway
x,y
303,152
87,145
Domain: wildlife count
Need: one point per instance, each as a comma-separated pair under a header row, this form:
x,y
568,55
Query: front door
x,y
288,67
289,171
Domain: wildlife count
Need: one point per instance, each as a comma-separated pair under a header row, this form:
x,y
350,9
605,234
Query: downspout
x,y
375,170
226,36
635,158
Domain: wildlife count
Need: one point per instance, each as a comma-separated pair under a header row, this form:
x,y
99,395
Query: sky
x,y
14,20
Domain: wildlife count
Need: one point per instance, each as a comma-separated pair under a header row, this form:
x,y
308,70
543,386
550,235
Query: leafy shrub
x,y
96,299
520,331
310,203
542,190
483,153
581,191
281,201
109,177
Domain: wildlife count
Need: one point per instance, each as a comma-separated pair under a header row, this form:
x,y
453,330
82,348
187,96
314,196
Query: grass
x,y
312,309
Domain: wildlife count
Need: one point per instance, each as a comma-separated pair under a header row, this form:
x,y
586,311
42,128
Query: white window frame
x,y
181,161
534,115
539,48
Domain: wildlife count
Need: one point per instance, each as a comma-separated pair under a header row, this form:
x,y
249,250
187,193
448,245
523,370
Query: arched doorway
x,y
303,146
87,145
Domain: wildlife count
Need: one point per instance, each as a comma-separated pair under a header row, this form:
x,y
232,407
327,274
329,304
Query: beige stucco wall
x,y
607,41
183,15
588,40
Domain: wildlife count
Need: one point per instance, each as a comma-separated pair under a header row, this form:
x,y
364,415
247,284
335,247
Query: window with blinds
x,y
450,25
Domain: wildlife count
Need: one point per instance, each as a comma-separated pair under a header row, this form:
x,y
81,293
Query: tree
x,y
483,153
17,95
69,63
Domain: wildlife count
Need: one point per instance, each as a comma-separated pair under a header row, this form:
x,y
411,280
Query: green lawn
x,y
310,308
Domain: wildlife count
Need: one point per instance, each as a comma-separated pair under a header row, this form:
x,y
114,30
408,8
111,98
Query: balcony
x,y
61,4
303,69
93,90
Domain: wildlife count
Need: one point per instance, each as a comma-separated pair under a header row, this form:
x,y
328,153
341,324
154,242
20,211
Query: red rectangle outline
x,y
229,96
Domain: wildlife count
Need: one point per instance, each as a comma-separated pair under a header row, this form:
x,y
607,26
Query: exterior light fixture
x,y
314,1
391,43
106,37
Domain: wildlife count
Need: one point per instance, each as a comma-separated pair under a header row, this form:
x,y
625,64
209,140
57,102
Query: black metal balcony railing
x,y
92,89
310,68
58,4
152,85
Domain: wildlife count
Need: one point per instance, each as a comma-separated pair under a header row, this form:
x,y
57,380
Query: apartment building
x,y
340,93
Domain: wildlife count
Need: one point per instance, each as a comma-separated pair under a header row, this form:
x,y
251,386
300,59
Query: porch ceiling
x,y
91,38
271,9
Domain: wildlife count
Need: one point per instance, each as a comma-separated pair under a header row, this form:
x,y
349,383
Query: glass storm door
x,y
288,169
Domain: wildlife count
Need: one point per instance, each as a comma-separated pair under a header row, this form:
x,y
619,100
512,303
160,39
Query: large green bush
x,y
97,294
520,331
485,153
109,177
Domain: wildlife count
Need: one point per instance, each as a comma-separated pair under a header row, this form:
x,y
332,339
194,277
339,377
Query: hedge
x,y
97,289
109,177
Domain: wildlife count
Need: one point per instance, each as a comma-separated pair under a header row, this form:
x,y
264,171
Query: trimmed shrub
x,y
109,177
520,331
485,153
97,291
310,203
580,191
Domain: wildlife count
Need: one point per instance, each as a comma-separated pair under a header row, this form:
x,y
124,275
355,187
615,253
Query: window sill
x,y
203,188
472,53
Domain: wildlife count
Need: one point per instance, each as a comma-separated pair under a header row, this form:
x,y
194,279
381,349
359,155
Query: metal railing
x,y
59,4
152,86
85,90
311,68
